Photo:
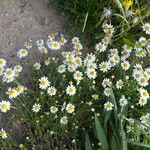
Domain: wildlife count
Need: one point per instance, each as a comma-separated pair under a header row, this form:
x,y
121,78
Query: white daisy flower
x,y
22,53
36,108
8,79
146,28
77,52
18,68
43,49
5,106
3,134
119,84
62,41
78,75
40,42
112,61
71,90
54,45
71,68
78,61
108,29
125,54
114,51
138,67
61,68
70,108
37,66
123,101
91,73
64,120
51,91
106,82
92,65
28,44
90,58
144,93
142,81
52,36
107,91
100,47
70,58
125,65
106,40
9,72
75,40
78,46
54,109
44,83
142,101
108,106
137,74
12,93
117,59
20,89
2,63
104,66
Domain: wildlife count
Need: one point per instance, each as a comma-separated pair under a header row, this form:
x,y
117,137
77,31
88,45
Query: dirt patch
x,y
24,19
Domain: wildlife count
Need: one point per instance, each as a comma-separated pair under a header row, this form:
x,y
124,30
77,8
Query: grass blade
x,y
101,135
87,142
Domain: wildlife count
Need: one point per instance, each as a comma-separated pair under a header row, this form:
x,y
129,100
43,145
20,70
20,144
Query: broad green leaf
x,y
87,142
123,136
139,144
101,135
115,143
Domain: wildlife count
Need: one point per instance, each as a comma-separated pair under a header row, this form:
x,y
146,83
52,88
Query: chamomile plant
x,y
63,96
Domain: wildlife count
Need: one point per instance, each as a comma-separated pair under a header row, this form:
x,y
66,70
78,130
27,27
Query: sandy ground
x,y
19,21
24,19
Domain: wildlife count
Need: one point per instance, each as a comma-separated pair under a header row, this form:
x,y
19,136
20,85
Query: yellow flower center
x,y
145,94
36,107
143,80
8,73
71,90
92,73
4,107
11,93
70,108
142,100
55,45
44,83
147,28
104,66
1,62
79,75
70,58
3,134
23,52
52,90
109,106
